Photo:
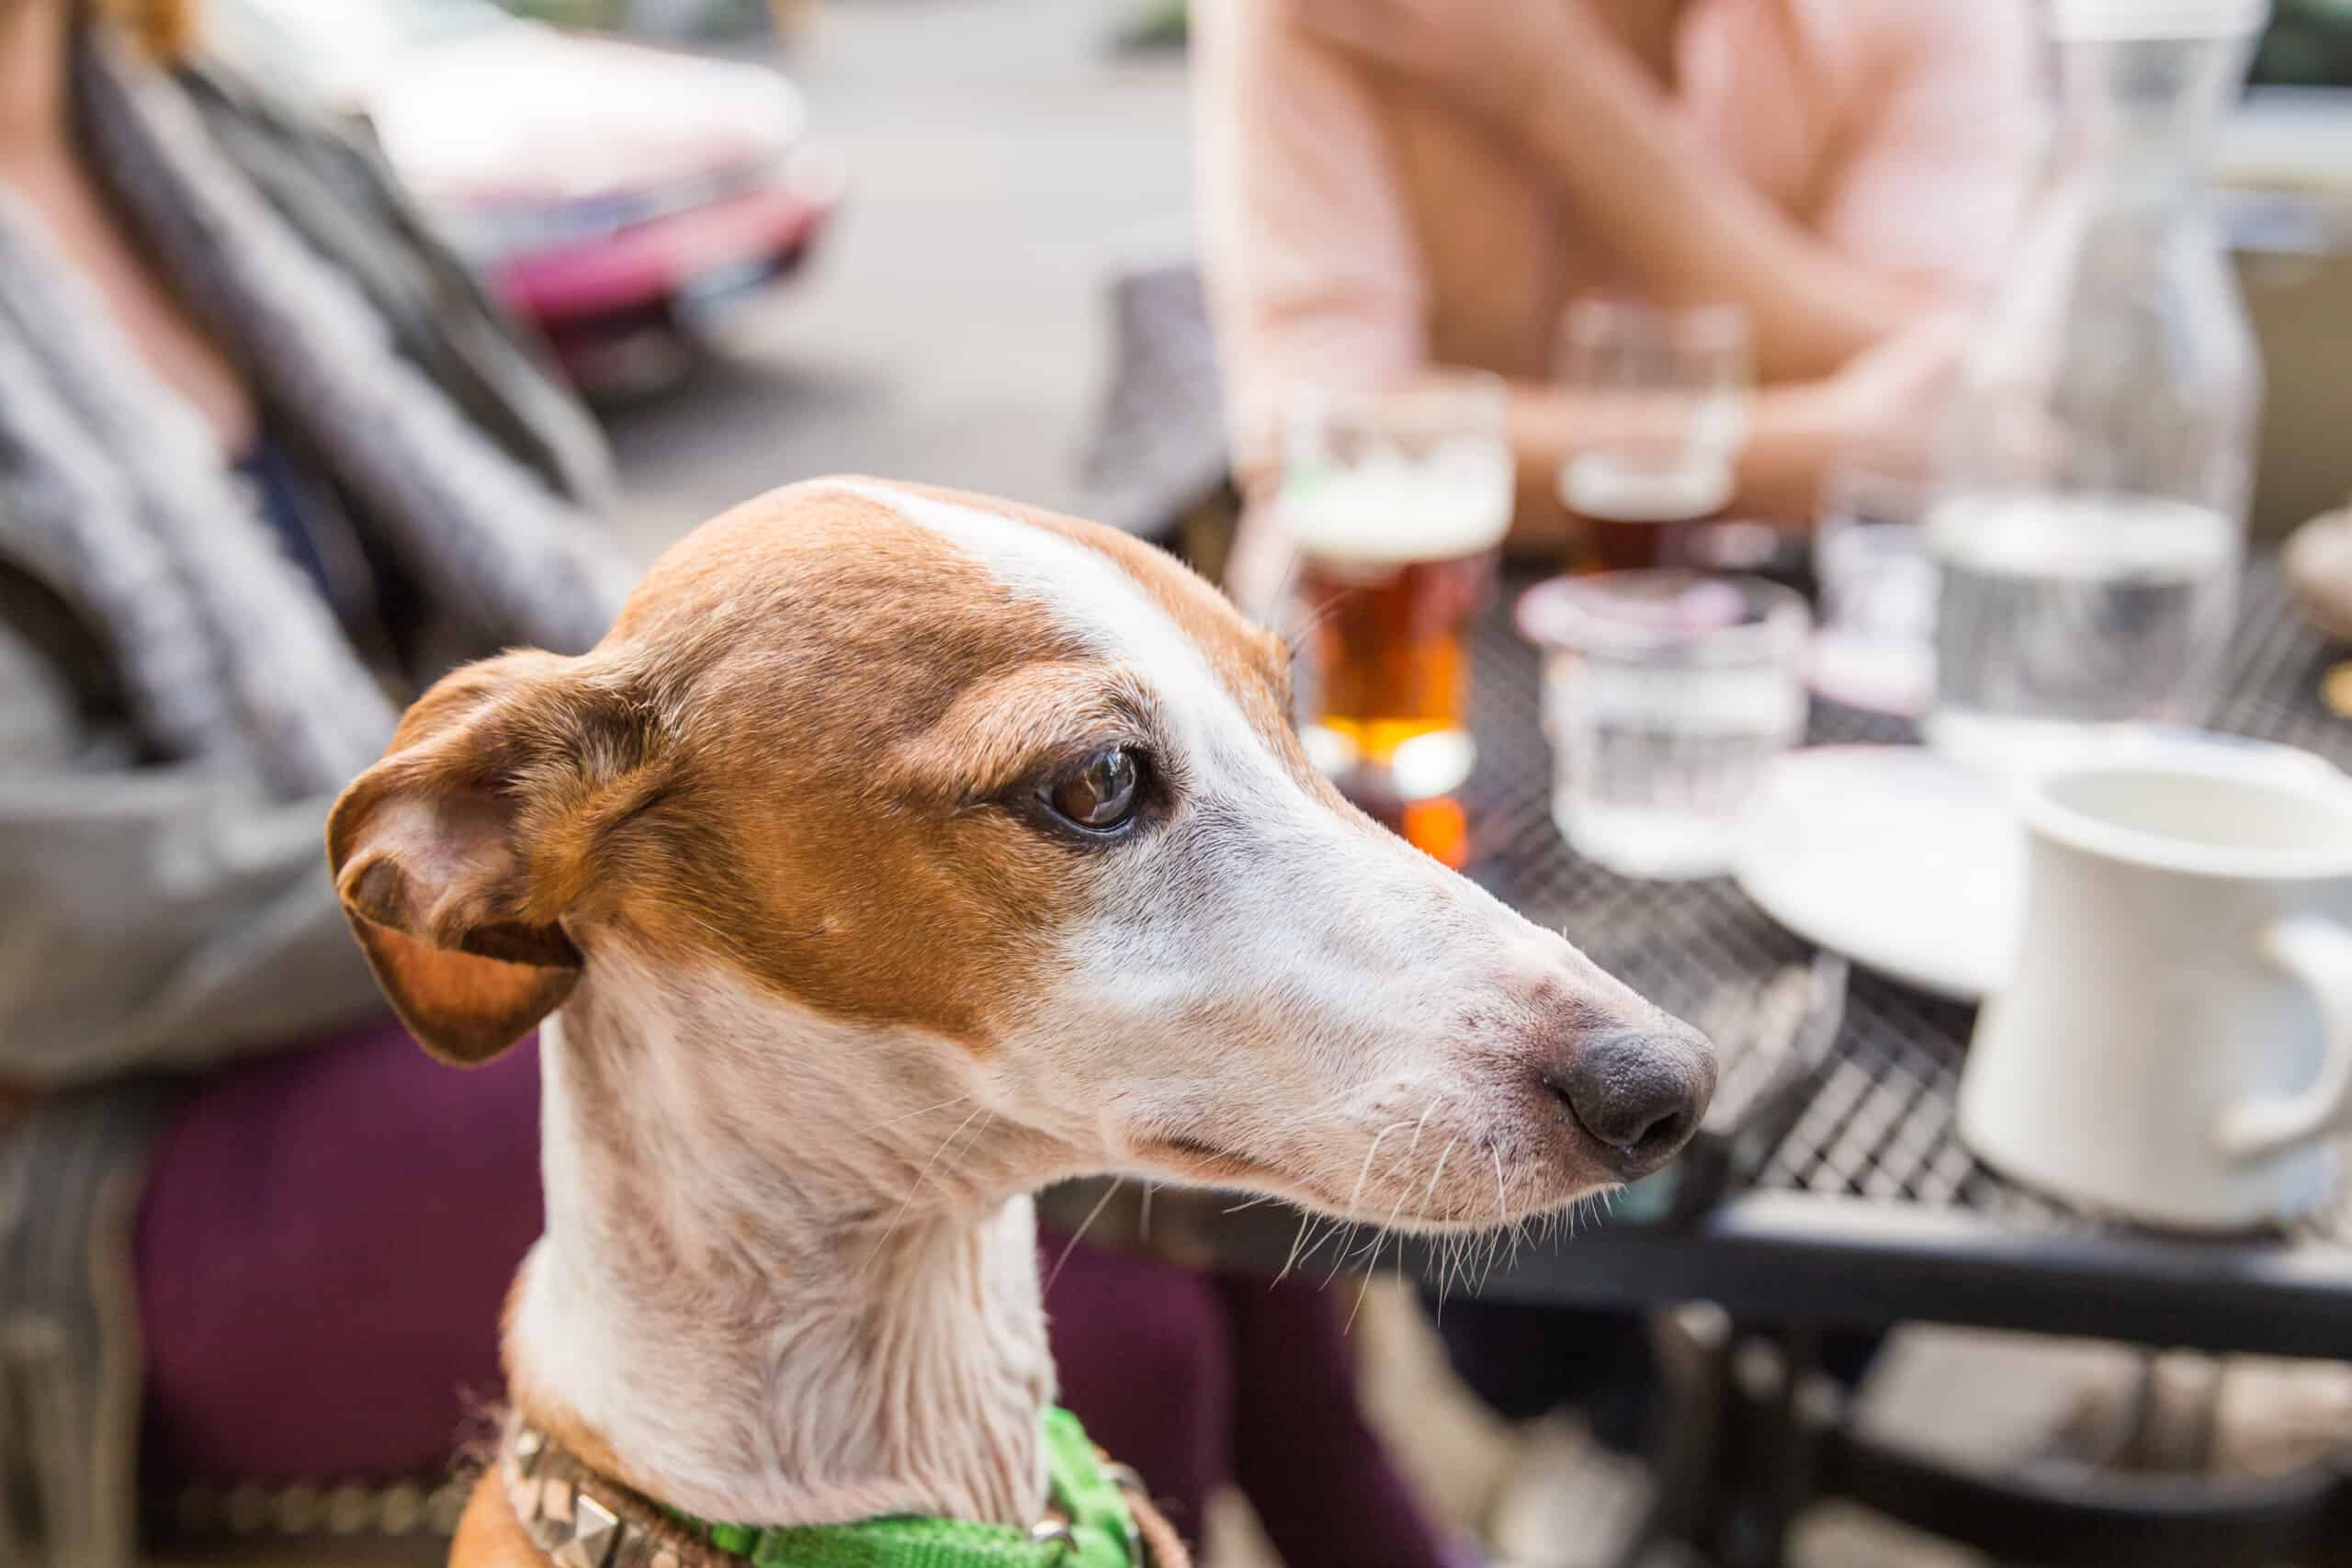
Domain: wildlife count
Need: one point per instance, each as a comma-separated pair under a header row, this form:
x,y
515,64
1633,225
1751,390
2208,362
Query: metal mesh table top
x,y
1875,1119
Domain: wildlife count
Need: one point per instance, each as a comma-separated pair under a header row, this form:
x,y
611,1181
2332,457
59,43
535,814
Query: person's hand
x,y
1885,400
1493,56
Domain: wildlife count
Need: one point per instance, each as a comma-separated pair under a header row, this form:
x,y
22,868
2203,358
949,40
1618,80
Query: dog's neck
x,y
748,1292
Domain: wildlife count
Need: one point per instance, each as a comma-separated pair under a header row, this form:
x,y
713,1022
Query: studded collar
x,y
582,1518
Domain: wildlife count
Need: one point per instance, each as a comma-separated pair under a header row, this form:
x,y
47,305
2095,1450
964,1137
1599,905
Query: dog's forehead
x,y
970,584
1101,601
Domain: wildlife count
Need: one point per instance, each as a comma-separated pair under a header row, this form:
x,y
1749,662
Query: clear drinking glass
x,y
1665,695
1662,394
2100,451
1397,502
1876,647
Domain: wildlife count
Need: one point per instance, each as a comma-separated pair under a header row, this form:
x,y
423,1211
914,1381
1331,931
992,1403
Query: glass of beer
x,y
1661,395
1397,502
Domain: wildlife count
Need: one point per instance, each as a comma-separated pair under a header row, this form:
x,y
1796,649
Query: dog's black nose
x,y
1638,1093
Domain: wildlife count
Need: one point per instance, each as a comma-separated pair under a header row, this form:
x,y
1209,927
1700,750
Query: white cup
x,y
2175,1042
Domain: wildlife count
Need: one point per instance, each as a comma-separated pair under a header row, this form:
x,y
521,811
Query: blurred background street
x,y
1003,133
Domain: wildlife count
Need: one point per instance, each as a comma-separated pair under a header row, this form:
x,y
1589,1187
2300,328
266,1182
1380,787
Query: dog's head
x,y
885,811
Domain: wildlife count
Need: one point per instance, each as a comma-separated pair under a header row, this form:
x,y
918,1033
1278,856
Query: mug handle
x,y
2318,951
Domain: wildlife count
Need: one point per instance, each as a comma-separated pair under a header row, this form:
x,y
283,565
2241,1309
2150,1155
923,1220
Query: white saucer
x,y
1902,861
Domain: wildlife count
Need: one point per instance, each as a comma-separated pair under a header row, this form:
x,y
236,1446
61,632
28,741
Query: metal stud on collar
x,y
595,1529
571,1525
557,1499
1053,1532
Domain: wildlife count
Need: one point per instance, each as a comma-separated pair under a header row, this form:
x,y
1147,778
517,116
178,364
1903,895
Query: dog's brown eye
x,y
1101,794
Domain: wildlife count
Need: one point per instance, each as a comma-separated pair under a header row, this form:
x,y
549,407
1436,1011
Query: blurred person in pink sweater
x,y
1394,185
1390,187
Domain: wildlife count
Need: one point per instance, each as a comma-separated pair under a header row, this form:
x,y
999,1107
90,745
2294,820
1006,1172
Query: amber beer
x,y
1392,567
1390,660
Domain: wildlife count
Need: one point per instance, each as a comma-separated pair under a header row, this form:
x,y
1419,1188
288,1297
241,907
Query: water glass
x,y
2060,616
1661,397
1665,695
1876,648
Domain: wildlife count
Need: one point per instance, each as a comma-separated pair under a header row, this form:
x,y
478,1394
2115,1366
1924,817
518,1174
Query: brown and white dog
x,y
897,853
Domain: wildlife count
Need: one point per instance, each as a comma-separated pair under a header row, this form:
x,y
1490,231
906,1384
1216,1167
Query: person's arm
x,y
1690,227
152,917
1549,75
1312,270
1942,148
1925,194
1875,404
1793,433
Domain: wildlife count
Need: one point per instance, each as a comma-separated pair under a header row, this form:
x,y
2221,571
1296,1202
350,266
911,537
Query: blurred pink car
x,y
623,197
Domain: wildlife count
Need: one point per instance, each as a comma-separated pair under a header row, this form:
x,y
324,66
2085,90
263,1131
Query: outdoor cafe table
x,y
1832,1190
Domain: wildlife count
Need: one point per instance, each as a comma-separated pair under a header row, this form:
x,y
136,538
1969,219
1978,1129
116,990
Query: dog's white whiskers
x,y
1388,1228
1355,1195
1508,1229
1306,1218
1435,1176
1347,1245
1362,1289
1395,1210
1330,1229
1084,1225
1365,1169
1423,1217
1414,1147
1296,638
911,1115
908,1201
1316,1233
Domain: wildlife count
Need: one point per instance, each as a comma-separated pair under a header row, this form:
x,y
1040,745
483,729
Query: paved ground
x,y
950,329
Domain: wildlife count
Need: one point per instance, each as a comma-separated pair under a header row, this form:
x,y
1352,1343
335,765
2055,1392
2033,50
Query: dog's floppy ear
x,y
458,855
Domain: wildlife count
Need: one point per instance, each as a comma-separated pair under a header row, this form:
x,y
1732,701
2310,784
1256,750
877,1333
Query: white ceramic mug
x,y
2175,1045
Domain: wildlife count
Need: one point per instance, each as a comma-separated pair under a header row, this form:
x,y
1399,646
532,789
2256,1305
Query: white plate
x,y
1905,862
1912,865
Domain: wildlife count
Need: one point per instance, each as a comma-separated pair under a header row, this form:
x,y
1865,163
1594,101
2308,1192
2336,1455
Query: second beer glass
x,y
1661,398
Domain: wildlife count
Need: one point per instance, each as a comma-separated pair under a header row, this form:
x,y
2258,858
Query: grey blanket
x,y
179,910
176,710
116,490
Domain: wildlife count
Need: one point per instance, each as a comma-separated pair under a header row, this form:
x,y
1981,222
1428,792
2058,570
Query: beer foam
x,y
1615,488
1454,500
